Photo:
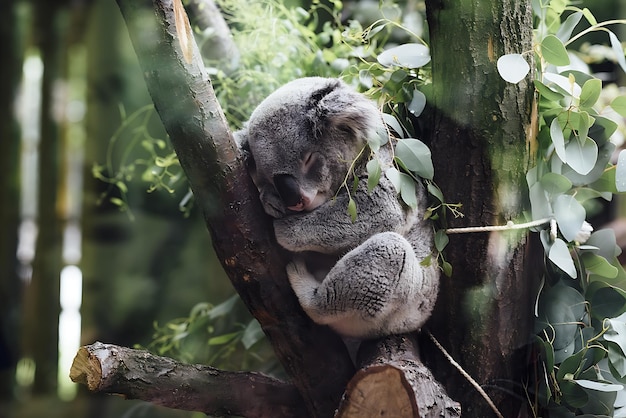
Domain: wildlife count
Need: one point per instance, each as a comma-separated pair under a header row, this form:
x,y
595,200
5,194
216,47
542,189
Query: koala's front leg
x,y
329,229
379,288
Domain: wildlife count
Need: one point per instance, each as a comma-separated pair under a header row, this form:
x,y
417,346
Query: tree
x,y
479,127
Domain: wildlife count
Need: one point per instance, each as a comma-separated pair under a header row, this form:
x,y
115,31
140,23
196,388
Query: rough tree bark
x,y
241,233
480,130
315,358
137,374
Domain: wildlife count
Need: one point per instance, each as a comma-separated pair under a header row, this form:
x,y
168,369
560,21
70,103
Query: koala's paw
x,y
301,279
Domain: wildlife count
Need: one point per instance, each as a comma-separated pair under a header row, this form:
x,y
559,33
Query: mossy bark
x,y
480,130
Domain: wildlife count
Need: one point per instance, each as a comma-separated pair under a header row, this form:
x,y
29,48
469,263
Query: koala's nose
x,y
288,189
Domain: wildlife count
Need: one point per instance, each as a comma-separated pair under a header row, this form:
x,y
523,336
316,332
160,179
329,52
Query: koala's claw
x,y
301,279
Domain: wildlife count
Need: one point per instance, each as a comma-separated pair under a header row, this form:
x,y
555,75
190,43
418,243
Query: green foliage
x,y
157,166
581,307
214,335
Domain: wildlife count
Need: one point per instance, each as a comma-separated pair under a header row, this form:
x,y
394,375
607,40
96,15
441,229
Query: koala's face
x,y
301,141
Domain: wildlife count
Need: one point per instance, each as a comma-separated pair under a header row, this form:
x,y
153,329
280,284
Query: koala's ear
x,y
241,138
340,109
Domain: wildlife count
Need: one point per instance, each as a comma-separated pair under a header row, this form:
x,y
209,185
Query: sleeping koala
x,y
363,278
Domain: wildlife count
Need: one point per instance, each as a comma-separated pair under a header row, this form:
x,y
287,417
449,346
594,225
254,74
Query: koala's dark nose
x,y
288,189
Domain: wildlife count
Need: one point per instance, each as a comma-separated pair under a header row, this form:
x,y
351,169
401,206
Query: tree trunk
x,y
241,232
42,296
480,129
10,51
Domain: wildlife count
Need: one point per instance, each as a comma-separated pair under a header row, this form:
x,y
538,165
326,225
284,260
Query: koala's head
x,y
301,141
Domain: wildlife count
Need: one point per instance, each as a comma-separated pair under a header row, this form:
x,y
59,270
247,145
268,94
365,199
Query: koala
x,y
363,278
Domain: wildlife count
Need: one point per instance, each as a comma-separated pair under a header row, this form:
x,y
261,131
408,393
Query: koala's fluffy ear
x,y
338,108
241,138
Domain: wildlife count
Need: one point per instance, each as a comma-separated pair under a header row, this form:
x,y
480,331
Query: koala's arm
x,y
329,229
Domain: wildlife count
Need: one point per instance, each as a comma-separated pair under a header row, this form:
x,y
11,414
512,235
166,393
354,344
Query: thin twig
x,y
466,376
509,226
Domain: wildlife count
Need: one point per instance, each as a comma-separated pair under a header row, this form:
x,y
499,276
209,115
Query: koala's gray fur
x,y
364,278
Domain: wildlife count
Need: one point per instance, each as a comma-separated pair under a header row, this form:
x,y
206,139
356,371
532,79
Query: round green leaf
x,y
554,51
619,105
555,184
547,92
416,157
606,301
441,240
539,203
606,242
418,103
569,215
582,157
598,265
590,92
411,55
560,256
513,68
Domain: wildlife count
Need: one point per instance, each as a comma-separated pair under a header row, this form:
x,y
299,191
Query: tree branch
x,y
241,232
392,381
137,374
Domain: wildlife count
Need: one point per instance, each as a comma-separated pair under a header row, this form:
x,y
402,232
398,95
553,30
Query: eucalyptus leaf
x,y
600,386
393,123
252,334
410,55
374,172
559,254
569,215
436,192
223,308
620,172
539,203
441,240
352,209
556,133
562,84
617,359
616,332
547,92
417,104
616,46
606,242
555,184
599,265
366,79
394,177
619,105
590,92
407,190
582,157
565,30
513,68
602,130
416,157
606,301
562,307
553,51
